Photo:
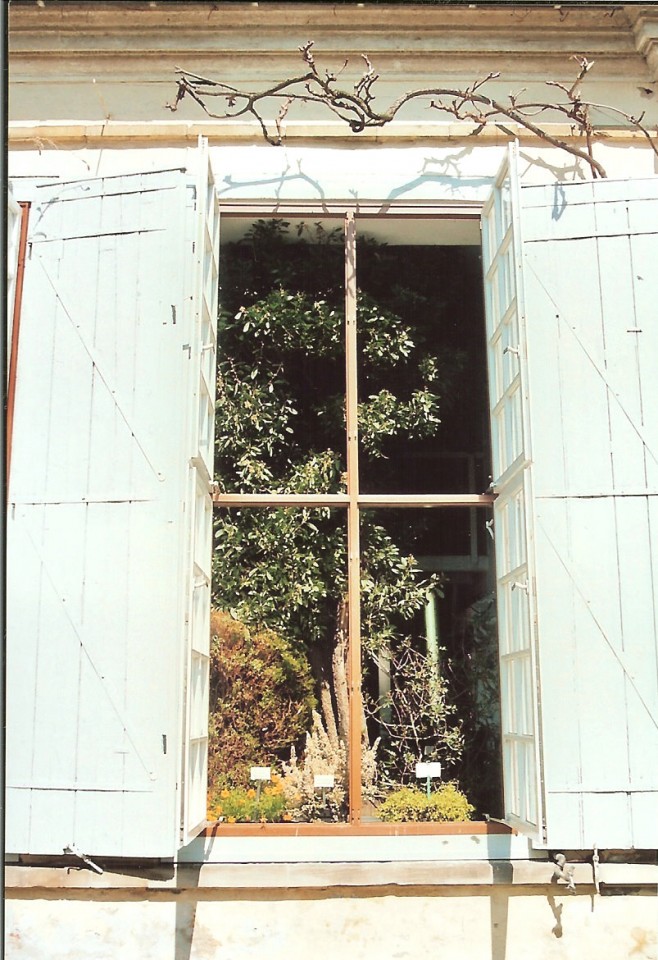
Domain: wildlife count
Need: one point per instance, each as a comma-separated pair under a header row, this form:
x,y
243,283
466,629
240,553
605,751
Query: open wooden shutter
x,y
513,511
203,350
591,287
101,521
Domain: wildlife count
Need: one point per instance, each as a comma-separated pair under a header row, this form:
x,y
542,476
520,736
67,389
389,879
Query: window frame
x,y
353,501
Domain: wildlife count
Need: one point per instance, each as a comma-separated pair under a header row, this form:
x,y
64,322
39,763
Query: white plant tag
x,y
425,770
323,780
261,773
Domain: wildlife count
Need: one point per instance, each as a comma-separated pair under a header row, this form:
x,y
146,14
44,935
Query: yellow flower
x,y
286,816
225,793
251,792
230,819
263,819
217,812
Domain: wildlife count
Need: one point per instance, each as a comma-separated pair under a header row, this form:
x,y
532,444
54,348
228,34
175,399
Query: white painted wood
x,y
99,532
355,849
513,512
591,288
199,510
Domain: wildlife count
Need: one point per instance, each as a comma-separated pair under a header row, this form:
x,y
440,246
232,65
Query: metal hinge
x,y
564,871
73,851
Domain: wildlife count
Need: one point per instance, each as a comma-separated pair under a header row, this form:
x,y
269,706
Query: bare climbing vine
x,y
356,108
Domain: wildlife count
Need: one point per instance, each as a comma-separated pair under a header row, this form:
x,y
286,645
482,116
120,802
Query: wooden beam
x,y
371,501
353,514
280,499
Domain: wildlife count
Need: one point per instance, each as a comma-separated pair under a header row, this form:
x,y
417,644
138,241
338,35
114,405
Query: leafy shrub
x,y
261,699
447,804
244,805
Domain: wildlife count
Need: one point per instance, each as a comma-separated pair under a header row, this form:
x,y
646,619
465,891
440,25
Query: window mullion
x,y
353,548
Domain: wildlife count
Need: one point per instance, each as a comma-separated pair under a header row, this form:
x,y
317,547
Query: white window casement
x,y
110,510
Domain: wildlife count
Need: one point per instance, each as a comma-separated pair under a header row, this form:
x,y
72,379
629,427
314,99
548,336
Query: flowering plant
x,y
248,805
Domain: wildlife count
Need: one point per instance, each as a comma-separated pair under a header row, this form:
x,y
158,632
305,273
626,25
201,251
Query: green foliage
x,y
261,698
409,804
280,420
284,568
280,427
247,805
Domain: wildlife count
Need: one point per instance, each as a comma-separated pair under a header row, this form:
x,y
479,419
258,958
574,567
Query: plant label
x,y
426,770
322,780
260,773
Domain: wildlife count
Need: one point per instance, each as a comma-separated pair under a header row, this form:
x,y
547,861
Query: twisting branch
x,y
356,107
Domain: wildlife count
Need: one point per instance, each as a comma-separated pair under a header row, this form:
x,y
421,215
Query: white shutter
x,y
590,259
99,519
201,448
513,510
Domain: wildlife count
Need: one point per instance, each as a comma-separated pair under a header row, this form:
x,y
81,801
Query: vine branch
x,y
356,107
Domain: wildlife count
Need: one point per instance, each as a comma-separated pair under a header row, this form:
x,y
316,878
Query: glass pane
x,y
430,663
423,412
278,687
280,412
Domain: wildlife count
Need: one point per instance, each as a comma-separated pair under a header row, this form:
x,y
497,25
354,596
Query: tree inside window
x,y
280,567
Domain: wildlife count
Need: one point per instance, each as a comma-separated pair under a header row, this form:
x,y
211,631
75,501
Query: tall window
x,y
354,629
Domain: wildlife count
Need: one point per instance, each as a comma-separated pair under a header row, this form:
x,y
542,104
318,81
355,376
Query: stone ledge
x,y
276,876
95,132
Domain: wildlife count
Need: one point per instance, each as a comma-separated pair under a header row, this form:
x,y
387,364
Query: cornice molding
x,y
644,21
154,28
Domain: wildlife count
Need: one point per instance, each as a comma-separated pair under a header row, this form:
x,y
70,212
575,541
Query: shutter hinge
x,y
564,871
73,851
595,869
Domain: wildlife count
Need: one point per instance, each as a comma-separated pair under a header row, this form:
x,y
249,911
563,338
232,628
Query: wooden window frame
x,y
353,501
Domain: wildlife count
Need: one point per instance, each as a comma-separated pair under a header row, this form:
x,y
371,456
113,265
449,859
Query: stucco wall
x,y
503,924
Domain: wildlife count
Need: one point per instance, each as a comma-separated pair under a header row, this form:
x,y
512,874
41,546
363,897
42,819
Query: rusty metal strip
x,y
13,356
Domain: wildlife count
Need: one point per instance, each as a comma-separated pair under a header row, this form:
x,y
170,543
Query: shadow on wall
x,y
354,181
186,909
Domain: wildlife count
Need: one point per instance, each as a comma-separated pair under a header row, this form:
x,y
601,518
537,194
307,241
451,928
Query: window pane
x,y
430,657
423,419
278,688
280,425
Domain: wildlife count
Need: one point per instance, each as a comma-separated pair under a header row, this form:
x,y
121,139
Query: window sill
x,y
318,829
368,843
